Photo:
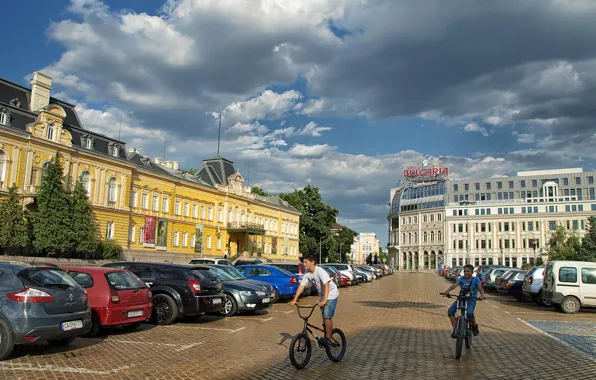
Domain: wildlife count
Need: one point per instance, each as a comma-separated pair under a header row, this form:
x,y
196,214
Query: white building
x,y
365,244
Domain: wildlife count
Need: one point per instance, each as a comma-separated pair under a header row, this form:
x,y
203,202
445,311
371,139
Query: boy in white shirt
x,y
327,289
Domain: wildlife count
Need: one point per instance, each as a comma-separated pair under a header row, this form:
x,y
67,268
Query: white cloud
x,y
300,150
267,105
475,128
524,138
312,129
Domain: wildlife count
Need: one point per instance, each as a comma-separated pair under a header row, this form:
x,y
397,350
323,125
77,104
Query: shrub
x,y
527,266
109,250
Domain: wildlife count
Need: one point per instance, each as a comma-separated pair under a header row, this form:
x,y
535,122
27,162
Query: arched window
x,y
432,235
416,237
44,168
425,237
86,181
439,235
50,132
4,117
112,190
2,166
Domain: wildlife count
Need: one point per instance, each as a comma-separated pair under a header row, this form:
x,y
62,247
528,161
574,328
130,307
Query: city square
x,y
396,327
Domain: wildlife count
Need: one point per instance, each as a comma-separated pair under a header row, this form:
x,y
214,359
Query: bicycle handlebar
x,y
453,295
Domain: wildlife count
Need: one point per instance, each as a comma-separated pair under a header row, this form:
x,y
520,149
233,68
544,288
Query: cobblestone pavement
x,y
396,328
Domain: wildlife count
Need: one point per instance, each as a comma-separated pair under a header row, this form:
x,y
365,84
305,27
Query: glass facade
x,y
419,192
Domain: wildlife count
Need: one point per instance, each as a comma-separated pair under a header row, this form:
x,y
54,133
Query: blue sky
x,y
341,94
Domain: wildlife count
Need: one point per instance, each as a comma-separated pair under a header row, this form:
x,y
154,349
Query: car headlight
x,y
262,294
246,293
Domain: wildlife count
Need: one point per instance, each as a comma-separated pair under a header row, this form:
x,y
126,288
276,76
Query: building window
x,y
467,187
522,183
145,201
552,225
218,242
110,230
176,238
488,185
455,187
115,151
202,211
210,213
192,240
50,132
208,242
499,185
511,184
477,186
195,211
86,182
220,215
165,205
578,180
432,236
534,183
88,143
155,203
131,234
590,180
133,198
177,208
186,209
4,117
184,239
112,190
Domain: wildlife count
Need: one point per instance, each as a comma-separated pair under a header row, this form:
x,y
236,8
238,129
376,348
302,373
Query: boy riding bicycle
x,y
328,293
467,282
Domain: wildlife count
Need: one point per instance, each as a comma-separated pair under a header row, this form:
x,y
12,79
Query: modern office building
x,y
504,220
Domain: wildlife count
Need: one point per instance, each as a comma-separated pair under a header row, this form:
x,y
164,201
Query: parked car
x,y
241,296
367,276
117,297
569,285
40,303
345,269
335,275
285,283
299,270
532,286
178,290
245,261
483,270
367,271
207,261
234,273
488,282
510,283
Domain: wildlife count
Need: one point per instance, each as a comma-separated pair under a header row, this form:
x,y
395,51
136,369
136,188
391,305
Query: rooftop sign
x,y
426,172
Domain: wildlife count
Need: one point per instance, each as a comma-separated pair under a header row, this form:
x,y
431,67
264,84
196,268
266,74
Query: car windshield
x,y
221,274
285,271
231,271
47,277
122,280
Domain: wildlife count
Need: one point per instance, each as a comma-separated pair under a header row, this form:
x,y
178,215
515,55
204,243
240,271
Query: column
x,y
16,160
123,192
28,167
97,179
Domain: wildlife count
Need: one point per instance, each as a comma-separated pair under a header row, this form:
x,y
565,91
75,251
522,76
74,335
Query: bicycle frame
x,y
307,325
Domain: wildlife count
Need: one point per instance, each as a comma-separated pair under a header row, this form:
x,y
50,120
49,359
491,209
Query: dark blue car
x,y
284,282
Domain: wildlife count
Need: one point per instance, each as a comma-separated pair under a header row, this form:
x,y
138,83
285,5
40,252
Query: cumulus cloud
x,y
475,128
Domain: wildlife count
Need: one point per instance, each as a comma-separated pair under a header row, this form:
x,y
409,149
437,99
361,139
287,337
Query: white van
x,y
207,261
570,284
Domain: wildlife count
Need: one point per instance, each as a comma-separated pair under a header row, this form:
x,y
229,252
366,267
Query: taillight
x,y
195,286
114,297
530,280
507,284
293,280
488,278
29,295
149,294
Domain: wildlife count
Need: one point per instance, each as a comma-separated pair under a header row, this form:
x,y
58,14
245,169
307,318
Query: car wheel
x,y
230,307
276,296
165,310
570,305
94,328
6,341
132,326
62,342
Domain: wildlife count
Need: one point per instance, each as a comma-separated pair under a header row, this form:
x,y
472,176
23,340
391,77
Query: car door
x,y
144,272
587,289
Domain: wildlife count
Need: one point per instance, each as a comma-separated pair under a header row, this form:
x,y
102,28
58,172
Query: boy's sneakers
x,y
454,334
475,330
324,342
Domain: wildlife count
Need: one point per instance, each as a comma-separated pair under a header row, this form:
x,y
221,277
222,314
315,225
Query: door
x,y
587,288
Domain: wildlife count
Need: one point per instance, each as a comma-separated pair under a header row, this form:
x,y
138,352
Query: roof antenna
x,y
219,134
248,174
165,146
120,128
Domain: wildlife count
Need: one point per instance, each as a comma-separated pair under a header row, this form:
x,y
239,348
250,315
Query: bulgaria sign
x,y
426,171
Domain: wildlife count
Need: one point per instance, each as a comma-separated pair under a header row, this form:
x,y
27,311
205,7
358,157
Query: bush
x,y
527,266
109,250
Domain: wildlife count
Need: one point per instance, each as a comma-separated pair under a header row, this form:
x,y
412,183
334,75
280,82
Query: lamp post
x,y
533,244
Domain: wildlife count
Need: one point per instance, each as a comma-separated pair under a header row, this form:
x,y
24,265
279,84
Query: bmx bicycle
x,y
301,347
462,324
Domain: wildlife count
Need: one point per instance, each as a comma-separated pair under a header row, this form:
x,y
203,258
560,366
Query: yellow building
x,y
149,206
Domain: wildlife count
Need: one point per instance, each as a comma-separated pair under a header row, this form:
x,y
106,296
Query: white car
x,y
206,261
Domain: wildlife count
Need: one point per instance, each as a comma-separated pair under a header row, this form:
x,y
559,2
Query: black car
x,y
241,296
187,291
511,283
247,262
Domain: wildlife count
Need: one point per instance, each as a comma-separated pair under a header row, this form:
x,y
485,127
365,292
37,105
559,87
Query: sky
x,y
339,94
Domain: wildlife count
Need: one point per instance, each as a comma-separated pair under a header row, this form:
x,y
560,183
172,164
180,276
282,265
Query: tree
x,y
369,260
315,222
84,228
563,245
14,232
193,171
539,262
258,191
344,240
52,226
587,250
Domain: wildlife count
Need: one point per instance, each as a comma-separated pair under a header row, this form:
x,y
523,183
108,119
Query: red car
x,y
117,297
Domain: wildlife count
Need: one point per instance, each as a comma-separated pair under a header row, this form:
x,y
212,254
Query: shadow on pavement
x,y
400,305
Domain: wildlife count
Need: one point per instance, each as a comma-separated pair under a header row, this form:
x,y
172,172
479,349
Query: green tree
x,y
562,245
258,191
315,222
344,240
14,232
193,171
84,229
52,226
369,260
587,250
539,262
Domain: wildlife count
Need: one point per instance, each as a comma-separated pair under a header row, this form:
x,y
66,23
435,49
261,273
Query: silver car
x,y
532,286
345,269
40,303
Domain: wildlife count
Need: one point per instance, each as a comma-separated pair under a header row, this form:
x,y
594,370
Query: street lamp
x,y
533,244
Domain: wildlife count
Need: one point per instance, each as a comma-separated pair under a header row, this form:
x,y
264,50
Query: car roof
x,y
286,263
179,266
93,269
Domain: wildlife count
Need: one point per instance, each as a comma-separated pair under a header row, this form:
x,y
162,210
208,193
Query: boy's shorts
x,y
471,306
329,309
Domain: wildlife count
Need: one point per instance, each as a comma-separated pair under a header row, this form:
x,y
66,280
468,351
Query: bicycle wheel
x,y
461,332
469,336
338,345
300,350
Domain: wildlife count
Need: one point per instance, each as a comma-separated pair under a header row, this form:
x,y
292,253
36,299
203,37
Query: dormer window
x,y
50,132
87,142
113,150
4,117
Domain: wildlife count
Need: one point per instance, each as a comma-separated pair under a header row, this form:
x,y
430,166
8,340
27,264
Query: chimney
x,y
175,165
40,91
169,164
157,160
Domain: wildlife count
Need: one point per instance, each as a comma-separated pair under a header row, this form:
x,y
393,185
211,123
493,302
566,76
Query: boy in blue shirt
x,y
466,282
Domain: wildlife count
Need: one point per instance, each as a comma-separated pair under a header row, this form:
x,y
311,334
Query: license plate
x,y
216,301
134,313
72,325
266,300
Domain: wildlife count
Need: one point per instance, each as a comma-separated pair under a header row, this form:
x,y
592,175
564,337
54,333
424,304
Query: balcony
x,y
111,204
246,227
32,189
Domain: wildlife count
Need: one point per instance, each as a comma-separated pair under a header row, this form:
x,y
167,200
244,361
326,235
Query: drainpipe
x,y
26,165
